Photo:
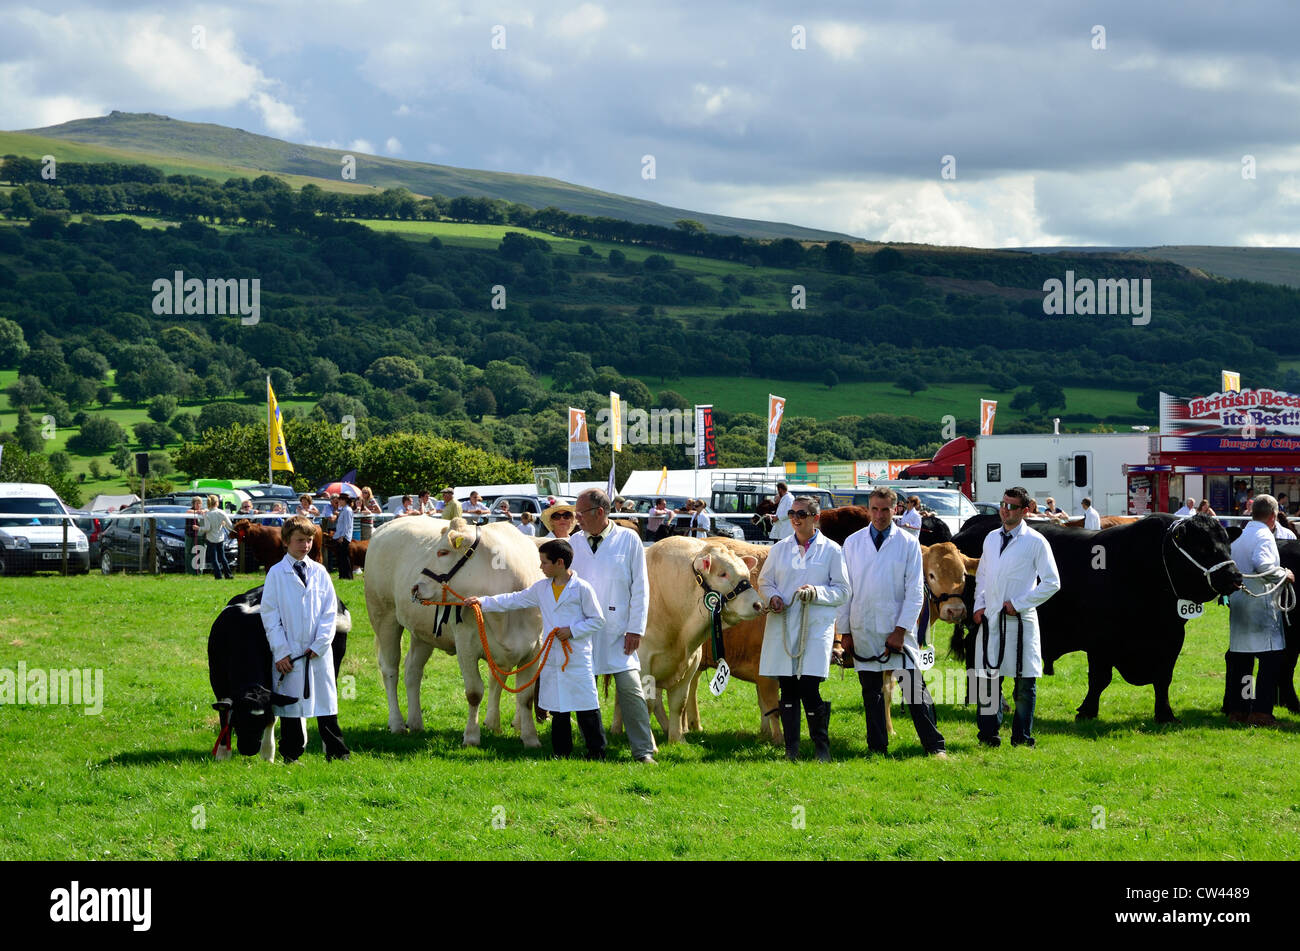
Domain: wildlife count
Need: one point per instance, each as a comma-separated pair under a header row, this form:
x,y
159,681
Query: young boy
x,y
568,606
298,609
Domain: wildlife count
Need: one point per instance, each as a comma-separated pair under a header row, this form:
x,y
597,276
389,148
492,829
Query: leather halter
x,y
442,617
1170,537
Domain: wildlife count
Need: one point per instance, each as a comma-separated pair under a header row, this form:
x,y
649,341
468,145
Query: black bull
x,y
239,666
1119,596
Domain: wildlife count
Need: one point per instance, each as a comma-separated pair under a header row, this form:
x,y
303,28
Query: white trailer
x,y
1067,466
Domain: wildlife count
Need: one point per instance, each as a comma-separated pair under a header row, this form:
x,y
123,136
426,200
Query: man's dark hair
x,y
1019,493
557,549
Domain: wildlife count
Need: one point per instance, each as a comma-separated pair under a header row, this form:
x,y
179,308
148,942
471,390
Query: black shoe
x,y
992,741
1028,741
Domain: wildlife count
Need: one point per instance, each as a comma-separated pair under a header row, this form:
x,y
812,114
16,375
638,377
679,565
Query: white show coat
x,y
888,592
911,520
789,567
782,528
1091,519
574,686
700,525
1255,624
297,619
617,572
1284,534
1025,574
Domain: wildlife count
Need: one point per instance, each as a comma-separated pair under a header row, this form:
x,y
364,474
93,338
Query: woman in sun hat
x,y
561,526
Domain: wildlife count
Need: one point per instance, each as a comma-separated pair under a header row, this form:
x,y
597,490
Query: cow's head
x,y
448,548
945,570
723,571
242,526
1199,559
765,507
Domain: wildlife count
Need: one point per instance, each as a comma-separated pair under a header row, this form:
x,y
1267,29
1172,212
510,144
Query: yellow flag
x,y
1231,381
279,452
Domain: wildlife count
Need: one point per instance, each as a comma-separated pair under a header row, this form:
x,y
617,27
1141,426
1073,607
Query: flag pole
x,y
270,436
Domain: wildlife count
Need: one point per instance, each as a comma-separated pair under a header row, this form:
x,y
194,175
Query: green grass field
x,y
137,781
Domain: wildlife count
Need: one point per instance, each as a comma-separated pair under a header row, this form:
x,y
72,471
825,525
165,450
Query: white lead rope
x,y
802,642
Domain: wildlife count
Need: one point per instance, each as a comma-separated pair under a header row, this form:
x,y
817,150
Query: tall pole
x,y
270,435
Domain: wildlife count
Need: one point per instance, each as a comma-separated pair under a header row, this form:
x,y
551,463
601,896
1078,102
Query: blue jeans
x,y
989,698
217,558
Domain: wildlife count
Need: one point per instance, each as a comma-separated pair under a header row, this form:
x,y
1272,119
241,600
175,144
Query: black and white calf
x,y
239,669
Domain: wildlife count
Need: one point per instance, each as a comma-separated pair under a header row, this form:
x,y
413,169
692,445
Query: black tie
x,y
301,572
1006,540
879,539
594,541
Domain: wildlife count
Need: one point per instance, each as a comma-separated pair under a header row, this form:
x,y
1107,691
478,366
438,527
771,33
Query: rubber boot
x,y
819,730
790,727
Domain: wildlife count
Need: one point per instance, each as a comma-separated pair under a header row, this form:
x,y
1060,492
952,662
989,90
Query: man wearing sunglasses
x,y
878,624
1017,573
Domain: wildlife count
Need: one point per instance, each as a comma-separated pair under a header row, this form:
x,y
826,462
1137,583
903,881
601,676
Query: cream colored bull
x,y
679,623
505,560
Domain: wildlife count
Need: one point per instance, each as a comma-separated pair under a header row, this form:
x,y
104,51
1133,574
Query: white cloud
x,y
588,18
392,146
402,110
361,145
280,118
841,40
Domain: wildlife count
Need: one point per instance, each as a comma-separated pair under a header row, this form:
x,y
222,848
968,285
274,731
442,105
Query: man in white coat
x,y
1254,622
566,683
1017,573
878,623
1091,520
298,608
1188,509
612,559
803,582
780,519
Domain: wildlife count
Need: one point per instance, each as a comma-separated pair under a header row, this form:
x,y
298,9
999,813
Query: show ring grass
x,y
138,781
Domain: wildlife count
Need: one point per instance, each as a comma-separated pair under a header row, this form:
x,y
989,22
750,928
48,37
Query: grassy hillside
x,y
216,148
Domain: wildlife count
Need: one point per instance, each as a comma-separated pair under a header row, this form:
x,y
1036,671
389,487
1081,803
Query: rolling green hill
x,y
199,148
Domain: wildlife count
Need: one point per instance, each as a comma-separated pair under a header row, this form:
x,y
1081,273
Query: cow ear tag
x,y
720,679
1189,610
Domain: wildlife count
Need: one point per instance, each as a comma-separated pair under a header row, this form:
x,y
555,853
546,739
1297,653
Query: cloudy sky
x,y
834,115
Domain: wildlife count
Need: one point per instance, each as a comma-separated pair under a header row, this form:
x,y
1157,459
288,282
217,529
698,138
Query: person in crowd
x,y
779,526
612,559
878,622
305,507
1283,503
216,526
1016,574
658,525
426,505
194,530
803,582
502,511
298,609
558,520
911,519
1091,520
408,508
700,521
527,525
1052,512
246,509
343,539
475,505
367,508
1255,623
449,508
1187,509
1203,508
570,608
277,515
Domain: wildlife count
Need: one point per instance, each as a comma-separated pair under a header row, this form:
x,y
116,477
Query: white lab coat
x,y
789,567
617,572
888,592
911,520
1284,534
297,619
1255,624
700,525
782,528
1025,574
1091,519
563,686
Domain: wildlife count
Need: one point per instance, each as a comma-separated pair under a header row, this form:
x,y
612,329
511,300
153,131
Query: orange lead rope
x,y
497,672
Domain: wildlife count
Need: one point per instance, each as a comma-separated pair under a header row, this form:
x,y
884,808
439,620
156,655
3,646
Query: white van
x,y
31,531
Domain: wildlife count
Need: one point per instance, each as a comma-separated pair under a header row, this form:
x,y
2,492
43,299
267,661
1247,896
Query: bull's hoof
x,y
1086,714
1166,716
470,741
415,725
396,726
532,743
223,753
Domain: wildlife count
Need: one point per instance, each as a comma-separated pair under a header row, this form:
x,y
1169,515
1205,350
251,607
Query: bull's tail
x,y
962,644
608,678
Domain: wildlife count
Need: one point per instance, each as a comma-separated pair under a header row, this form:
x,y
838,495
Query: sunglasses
x,y
1008,505
561,515
800,513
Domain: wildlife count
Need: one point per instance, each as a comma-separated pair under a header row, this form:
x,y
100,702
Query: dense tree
x,y
13,345
98,435
162,408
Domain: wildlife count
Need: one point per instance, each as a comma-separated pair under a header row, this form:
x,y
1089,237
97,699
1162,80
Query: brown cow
x,y
1107,521
267,546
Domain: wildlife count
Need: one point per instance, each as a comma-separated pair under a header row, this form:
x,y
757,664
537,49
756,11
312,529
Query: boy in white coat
x,y
803,582
566,684
1017,573
298,609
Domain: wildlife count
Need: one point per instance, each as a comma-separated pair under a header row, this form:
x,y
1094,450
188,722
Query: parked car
x,y
745,496
125,543
31,531
682,523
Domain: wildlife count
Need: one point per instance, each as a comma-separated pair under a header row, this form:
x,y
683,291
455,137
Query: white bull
x,y
505,560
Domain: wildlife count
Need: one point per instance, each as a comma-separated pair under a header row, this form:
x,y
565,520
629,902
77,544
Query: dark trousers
x,y
989,698
593,733
343,558
919,704
293,737
1241,665
217,558
805,690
